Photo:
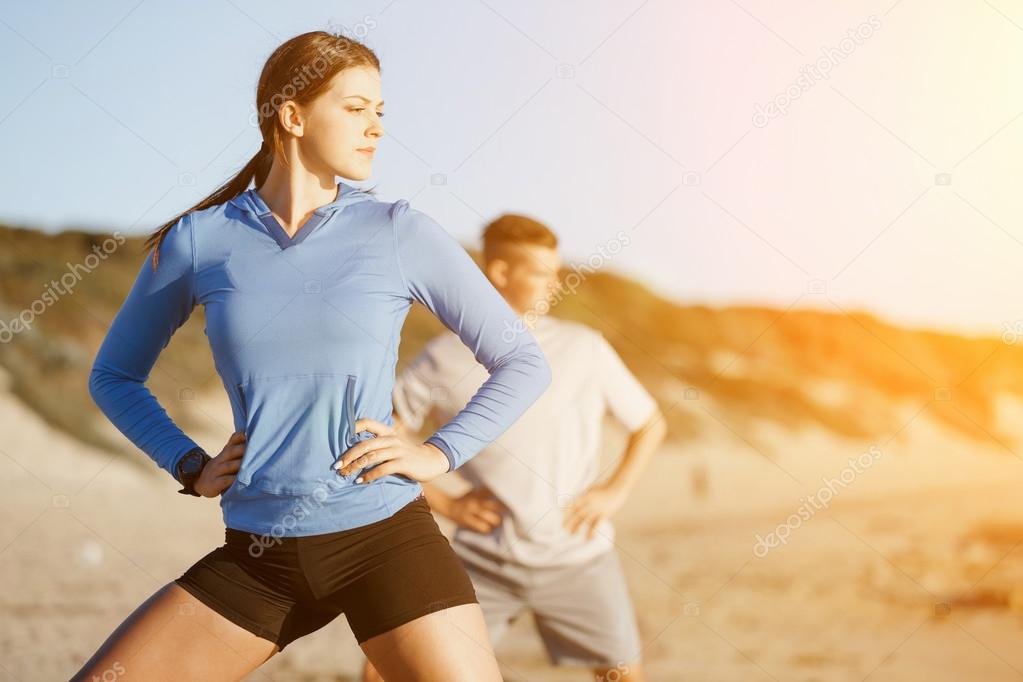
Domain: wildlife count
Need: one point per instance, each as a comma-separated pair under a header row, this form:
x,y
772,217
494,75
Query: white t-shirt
x,y
550,454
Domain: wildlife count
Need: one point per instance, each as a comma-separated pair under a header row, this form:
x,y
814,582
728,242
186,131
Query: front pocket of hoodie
x,y
297,427
350,437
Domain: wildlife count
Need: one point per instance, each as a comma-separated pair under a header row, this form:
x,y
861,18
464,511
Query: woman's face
x,y
342,125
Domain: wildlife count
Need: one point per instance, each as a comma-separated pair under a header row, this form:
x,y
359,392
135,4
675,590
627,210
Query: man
x,y
534,531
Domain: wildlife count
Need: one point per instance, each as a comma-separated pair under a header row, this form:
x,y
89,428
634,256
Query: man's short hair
x,y
502,235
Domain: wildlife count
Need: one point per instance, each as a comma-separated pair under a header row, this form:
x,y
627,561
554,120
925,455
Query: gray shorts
x,y
583,613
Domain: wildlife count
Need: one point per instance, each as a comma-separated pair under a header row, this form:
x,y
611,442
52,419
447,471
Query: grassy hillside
x,y
846,373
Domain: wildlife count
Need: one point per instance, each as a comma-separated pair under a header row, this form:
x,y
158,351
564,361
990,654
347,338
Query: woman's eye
x,y
357,111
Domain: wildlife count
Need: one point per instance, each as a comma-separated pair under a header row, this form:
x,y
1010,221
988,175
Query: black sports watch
x,y
188,469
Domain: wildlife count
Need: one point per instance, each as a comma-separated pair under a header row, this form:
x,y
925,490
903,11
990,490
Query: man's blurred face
x,y
525,274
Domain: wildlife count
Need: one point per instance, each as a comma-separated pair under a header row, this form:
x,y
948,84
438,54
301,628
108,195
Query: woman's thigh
x,y
449,644
174,636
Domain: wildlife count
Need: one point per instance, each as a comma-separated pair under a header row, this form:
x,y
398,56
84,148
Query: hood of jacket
x,y
251,202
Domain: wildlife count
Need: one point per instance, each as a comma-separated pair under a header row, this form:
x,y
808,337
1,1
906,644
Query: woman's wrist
x,y
442,458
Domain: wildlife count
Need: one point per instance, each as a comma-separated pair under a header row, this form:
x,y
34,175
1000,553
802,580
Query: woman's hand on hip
x,y
220,472
393,453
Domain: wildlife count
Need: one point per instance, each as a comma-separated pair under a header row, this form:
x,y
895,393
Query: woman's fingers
x,y
380,453
363,448
389,467
235,448
369,459
231,466
222,483
373,426
413,460
231,452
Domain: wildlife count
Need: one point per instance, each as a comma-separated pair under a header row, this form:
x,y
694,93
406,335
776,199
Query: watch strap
x,y
188,481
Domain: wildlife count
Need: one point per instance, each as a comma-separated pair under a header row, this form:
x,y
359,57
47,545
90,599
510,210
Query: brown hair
x,y
298,70
511,230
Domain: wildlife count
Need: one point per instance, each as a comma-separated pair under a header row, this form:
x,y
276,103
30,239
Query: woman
x,y
305,285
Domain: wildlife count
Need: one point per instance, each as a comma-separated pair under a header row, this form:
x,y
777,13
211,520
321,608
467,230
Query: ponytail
x,y
256,169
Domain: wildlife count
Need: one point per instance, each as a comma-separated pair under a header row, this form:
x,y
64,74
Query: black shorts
x,y
380,576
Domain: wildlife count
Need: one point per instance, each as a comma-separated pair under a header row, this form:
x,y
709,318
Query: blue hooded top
x,y
304,333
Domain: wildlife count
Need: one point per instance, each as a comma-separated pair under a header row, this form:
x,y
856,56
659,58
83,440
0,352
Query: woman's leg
x,y
449,644
370,674
174,636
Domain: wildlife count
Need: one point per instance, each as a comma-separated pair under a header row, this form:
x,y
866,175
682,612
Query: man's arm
x,y
439,500
632,405
630,402
643,443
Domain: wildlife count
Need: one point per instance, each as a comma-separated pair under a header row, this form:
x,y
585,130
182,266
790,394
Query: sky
x,y
837,156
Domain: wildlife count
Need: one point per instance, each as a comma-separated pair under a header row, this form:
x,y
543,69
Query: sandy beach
x,y
908,569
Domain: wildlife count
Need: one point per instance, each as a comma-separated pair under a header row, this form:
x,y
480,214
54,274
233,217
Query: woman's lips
x,y
367,152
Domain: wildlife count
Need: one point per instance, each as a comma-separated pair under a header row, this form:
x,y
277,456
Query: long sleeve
x,y
159,302
439,273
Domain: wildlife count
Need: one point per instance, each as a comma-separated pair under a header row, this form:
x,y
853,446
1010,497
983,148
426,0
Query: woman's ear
x,y
291,118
